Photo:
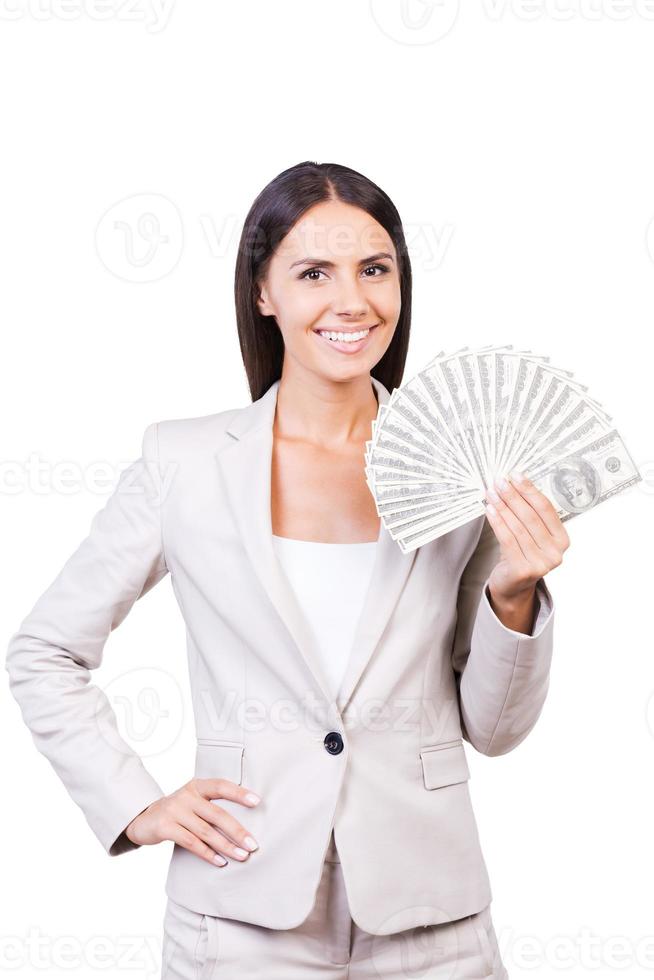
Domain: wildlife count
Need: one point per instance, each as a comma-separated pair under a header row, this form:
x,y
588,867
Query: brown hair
x,y
274,212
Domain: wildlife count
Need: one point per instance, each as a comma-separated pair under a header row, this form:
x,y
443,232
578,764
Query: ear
x,y
262,302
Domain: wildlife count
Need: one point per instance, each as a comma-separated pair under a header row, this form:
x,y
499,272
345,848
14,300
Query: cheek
x,y
302,309
389,303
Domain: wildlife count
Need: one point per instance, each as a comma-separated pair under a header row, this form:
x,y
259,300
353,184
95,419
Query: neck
x,y
325,412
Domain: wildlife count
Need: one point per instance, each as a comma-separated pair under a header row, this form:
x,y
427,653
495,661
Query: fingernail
x,y
490,509
517,476
493,495
219,860
252,798
240,852
502,484
251,843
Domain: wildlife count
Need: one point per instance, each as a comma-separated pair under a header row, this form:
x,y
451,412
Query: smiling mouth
x,y
346,336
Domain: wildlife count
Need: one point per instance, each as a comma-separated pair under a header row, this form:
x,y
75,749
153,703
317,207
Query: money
x,y
472,416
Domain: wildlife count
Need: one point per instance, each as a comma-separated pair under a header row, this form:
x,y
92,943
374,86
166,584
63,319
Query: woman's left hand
x,y
531,536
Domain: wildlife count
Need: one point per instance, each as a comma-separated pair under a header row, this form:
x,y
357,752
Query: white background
x,y
516,141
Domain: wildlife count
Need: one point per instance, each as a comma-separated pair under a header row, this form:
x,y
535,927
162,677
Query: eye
x,y
308,272
380,265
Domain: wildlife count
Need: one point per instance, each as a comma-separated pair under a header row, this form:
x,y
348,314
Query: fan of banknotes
x,y
475,415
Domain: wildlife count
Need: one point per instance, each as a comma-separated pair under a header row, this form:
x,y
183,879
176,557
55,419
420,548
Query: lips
x,y
347,346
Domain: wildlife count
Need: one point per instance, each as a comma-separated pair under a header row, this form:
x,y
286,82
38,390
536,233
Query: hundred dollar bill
x,y
591,474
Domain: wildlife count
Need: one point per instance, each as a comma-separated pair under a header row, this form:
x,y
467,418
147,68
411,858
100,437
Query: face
x,y
576,490
333,287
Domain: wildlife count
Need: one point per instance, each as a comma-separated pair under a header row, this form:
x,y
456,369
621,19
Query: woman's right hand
x,y
189,818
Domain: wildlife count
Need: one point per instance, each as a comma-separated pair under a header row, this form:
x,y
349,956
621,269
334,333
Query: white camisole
x,y
330,582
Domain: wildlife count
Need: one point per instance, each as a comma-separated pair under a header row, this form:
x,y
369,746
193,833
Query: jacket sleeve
x,y
61,640
502,676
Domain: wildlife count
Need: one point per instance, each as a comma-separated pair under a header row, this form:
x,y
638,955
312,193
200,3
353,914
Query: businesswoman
x,y
327,830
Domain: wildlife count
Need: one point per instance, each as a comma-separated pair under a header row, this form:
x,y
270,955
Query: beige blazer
x,y
384,764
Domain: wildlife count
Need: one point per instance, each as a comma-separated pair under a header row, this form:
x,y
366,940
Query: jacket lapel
x,y
245,466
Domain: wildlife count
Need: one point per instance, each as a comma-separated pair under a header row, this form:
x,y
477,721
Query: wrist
x,y
129,828
515,612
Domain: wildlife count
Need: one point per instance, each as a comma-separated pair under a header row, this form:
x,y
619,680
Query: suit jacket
x,y
383,764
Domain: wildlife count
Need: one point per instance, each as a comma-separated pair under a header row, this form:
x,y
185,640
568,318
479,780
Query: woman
x,y
328,829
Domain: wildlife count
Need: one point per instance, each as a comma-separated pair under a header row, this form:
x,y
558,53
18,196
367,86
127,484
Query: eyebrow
x,y
330,265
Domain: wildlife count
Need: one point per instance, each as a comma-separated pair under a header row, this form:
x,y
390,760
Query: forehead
x,y
335,230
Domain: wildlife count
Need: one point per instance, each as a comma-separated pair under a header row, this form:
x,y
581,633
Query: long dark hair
x,y
274,212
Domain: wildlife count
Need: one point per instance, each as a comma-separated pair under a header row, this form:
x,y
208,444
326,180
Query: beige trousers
x,y
327,945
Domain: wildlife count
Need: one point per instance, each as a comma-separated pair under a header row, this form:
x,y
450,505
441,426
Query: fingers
x,y
216,841
216,816
185,838
517,545
212,789
187,818
543,506
530,516
509,546
511,505
208,815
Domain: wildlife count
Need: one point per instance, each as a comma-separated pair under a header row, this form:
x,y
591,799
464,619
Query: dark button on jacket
x,y
333,742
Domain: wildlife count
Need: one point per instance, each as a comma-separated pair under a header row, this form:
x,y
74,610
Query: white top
x,y
330,582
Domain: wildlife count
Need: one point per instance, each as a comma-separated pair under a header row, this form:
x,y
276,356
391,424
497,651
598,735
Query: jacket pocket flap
x,y
216,759
443,765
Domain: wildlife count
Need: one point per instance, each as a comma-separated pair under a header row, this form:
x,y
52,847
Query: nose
x,y
351,300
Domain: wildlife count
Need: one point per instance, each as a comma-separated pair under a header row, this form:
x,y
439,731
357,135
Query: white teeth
x,y
349,338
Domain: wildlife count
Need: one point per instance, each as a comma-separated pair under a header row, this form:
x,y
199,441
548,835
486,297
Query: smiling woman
x,y
323,270
318,830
